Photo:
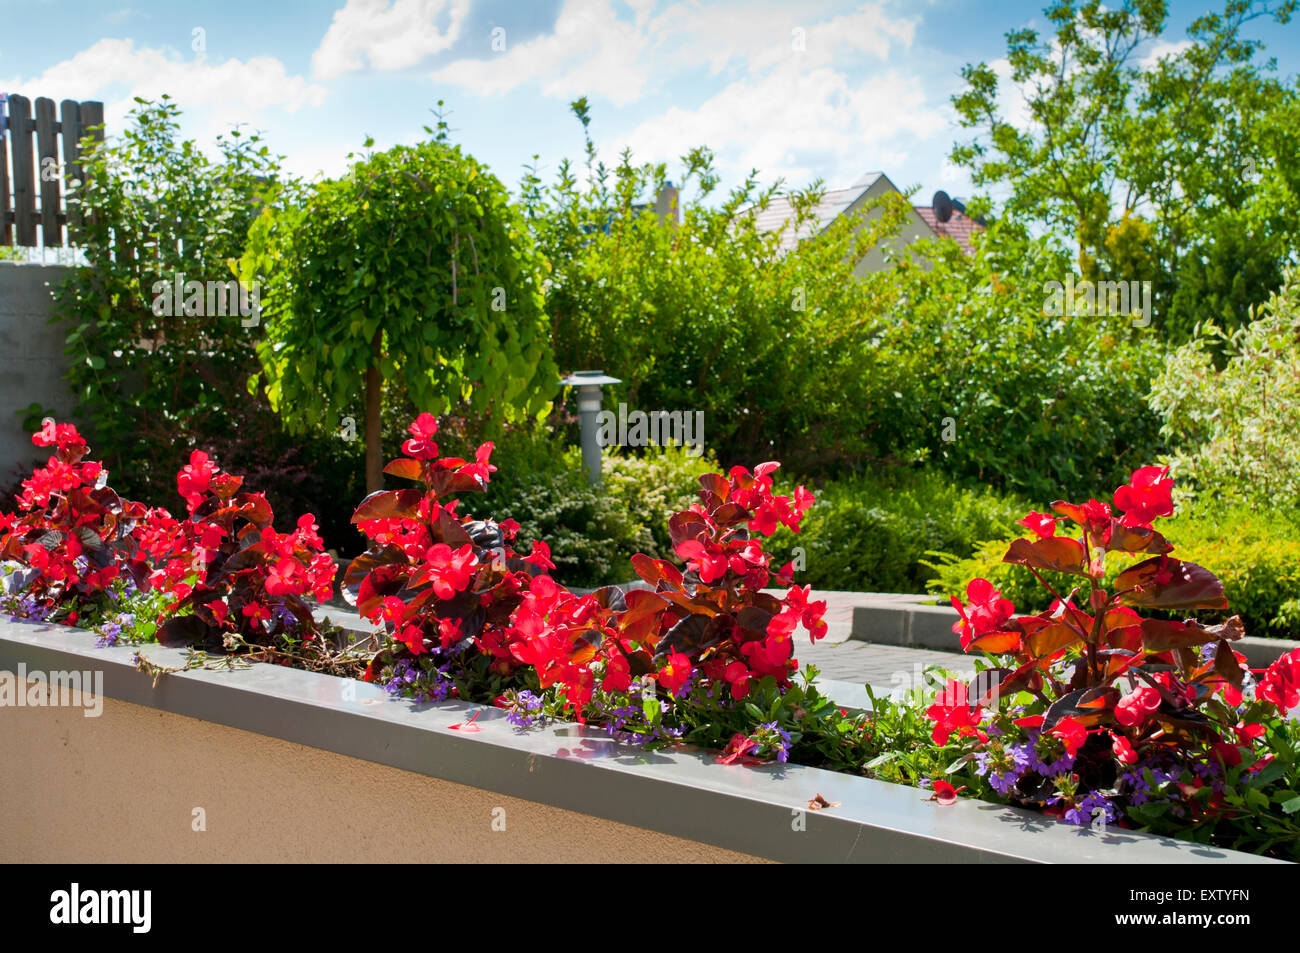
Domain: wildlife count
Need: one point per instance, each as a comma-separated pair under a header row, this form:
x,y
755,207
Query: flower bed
x,y
1093,714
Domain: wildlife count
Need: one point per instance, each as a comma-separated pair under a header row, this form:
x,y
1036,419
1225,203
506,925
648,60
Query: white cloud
x,y
595,50
224,93
388,36
796,124
1162,48
591,50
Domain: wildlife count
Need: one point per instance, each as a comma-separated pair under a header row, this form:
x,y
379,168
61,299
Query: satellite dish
x,y
942,206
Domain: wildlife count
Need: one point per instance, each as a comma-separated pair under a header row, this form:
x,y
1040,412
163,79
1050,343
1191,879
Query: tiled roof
x,y
959,227
779,214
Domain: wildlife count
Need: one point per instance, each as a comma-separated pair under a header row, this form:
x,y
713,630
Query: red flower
x,y
65,435
1247,733
737,675
283,578
308,532
945,793
1096,515
1123,749
256,612
799,610
738,749
195,477
1147,495
1280,683
449,570
709,560
1043,526
449,632
412,637
987,612
1132,709
480,468
540,556
675,673
952,711
1072,733
618,674
422,430
467,725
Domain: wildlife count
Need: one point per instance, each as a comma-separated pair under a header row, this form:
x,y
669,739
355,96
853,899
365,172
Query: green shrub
x,y
1237,430
653,485
994,390
1256,554
705,314
154,382
871,534
413,272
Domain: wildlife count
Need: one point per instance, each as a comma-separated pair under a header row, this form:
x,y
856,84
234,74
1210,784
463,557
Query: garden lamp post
x,y
589,384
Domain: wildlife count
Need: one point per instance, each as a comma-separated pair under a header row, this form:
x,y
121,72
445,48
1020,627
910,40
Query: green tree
x,y
1148,170
710,314
413,270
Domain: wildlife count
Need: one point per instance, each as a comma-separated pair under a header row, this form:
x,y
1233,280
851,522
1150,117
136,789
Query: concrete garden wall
x,y
290,765
32,362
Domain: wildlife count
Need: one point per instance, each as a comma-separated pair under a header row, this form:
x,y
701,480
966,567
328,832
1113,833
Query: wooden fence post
x,y
19,215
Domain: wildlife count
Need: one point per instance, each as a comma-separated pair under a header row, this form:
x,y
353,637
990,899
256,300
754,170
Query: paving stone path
x,y
840,657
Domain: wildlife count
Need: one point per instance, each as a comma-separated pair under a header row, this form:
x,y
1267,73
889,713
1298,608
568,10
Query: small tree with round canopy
x,y
413,270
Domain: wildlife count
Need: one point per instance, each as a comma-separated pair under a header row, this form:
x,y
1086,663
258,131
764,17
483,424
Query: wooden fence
x,y
24,174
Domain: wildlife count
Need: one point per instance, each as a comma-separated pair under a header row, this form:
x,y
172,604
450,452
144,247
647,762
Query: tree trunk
x,y
374,405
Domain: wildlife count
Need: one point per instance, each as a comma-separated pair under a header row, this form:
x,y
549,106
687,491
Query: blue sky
x,y
868,90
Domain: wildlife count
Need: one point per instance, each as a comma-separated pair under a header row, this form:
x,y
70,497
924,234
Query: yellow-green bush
x,y
1255,553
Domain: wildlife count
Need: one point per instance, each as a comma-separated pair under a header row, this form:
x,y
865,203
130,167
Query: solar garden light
x,y
589,384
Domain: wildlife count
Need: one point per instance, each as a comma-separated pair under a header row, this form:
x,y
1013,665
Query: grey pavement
x,y
843,659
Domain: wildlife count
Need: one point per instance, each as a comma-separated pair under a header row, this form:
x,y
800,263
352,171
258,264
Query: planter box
x,y
286,765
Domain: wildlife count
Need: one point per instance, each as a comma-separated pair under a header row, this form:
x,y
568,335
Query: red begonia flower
x,y
1147,495
1072,733
945,793
1042,525
421,446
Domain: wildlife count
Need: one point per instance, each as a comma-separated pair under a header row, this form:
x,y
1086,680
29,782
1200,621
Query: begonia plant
x,y
1109,708
452,594
231,576
72,536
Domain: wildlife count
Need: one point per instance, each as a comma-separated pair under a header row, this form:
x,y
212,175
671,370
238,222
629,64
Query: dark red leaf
x,y
181,631
1135,539
1163,635
1164,583
367,563
225,485
655,571
1056,553
729,514
687,525
406,468
389,504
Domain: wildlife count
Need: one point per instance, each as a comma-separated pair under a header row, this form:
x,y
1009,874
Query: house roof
x,y
779,214
960,227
